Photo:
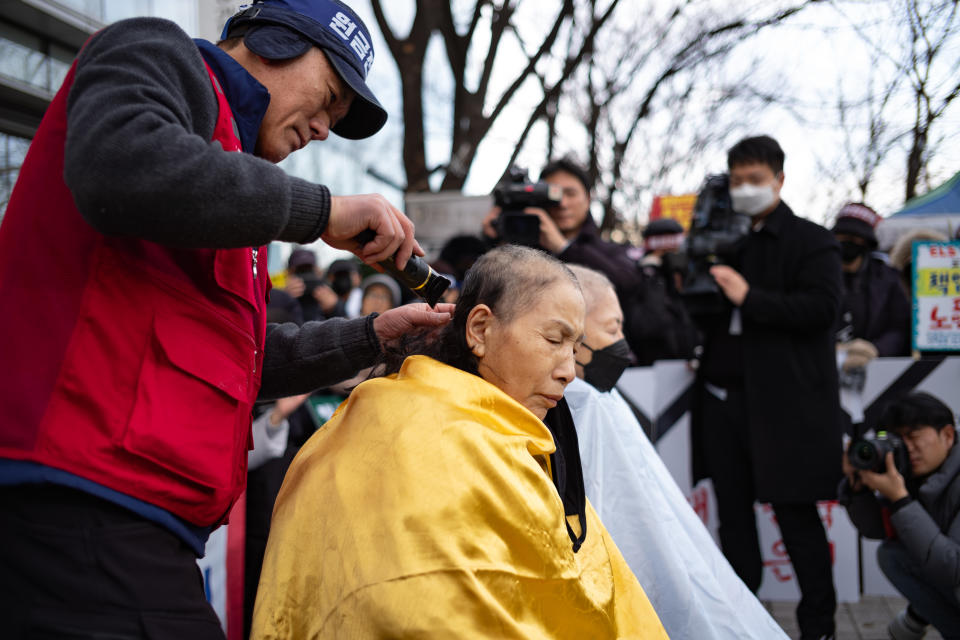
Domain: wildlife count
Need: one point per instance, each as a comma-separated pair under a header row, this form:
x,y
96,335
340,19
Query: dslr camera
x,y
870,453
717,233
514,194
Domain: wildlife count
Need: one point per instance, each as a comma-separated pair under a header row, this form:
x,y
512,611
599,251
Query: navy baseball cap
x,y
284,29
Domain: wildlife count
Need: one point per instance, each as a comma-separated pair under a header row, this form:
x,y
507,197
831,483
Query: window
x,y
22,57
183,12
13,150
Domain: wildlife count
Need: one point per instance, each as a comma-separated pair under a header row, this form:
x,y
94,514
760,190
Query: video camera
x,y
514,194
870,453
717,233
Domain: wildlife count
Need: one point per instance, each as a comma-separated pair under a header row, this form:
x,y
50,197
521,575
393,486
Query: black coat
x,y
610,259
657,325
887,319
789,358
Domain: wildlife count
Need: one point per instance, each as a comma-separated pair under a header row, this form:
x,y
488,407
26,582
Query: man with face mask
x,y
693,589
874,309
770,427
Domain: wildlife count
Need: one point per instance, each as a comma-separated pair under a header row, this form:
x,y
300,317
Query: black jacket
x,y
656,323
886,309
788,366
610,259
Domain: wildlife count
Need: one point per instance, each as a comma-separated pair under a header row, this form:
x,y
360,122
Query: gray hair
x,y
592,282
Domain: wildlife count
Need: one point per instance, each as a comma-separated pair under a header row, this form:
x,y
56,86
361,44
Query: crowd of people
x,y
462,470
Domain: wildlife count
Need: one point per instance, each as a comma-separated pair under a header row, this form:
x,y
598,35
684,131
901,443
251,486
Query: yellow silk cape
x,y
425,508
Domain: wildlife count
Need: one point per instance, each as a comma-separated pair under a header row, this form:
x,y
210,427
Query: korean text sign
x,y
936,296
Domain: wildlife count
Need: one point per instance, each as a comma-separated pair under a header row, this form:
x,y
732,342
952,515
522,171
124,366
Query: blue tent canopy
x,y
943,199
938,210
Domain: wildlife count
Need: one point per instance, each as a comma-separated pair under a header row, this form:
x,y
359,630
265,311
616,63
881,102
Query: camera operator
x,y
770,411
569,232
918,516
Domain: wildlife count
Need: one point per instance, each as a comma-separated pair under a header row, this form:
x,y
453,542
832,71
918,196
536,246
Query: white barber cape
x,y
691,585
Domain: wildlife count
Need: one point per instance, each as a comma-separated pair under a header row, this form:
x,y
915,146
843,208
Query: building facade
x,y
38,41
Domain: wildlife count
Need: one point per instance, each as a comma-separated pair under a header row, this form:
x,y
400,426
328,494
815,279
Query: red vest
x,y
123,361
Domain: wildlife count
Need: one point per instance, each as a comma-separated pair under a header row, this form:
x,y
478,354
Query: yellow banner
x,y
943,281
680,208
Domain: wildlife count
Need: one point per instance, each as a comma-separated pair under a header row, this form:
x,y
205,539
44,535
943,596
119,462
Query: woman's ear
x,y
479,321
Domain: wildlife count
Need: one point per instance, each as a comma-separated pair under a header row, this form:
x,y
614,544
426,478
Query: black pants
x,y
727,456
74,566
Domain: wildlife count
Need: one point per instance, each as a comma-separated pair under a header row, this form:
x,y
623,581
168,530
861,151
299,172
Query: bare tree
x,y
931,26
649,66
867,128
607,73
914,51
475,109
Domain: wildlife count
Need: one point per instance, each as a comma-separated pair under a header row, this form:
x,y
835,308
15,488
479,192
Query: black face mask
x,y
850,251
342,283
607,365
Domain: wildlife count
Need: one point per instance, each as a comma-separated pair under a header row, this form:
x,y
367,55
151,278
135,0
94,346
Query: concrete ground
x,y
864,620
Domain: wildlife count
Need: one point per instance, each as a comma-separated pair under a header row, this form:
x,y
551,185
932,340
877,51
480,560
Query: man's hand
x,y
350,215
859,353
890,484
295,286
284,407
325,297
550,237
489,221
393,324
853,475
733,285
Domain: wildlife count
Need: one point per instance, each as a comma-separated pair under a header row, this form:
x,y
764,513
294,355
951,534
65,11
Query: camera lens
x,y
863,455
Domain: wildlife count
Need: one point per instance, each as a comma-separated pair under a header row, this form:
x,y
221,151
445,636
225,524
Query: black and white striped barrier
x,y
661,397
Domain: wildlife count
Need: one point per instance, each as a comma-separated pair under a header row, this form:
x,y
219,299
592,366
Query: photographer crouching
x,y
918,516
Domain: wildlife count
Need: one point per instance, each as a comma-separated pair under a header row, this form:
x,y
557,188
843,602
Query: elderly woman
x,y
428,506
691,585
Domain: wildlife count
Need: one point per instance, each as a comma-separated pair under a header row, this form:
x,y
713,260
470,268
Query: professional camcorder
x,y
717,233
870,453
514,194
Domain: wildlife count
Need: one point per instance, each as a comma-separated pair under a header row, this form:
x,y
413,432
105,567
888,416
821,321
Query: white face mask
x,y
752,199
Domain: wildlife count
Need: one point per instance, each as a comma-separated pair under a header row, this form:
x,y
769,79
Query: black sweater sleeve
x,y
139,160
318,354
